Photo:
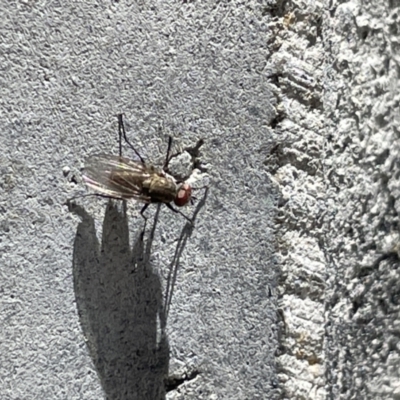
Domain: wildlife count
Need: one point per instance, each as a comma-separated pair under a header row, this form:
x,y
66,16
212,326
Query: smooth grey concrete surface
x,y
83,300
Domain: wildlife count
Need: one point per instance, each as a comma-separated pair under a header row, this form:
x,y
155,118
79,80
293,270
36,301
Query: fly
x,y
119,177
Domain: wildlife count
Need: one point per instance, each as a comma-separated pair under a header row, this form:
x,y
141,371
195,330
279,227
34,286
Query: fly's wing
x,y
116,176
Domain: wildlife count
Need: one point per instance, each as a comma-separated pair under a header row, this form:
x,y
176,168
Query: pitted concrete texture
x,y
88,310
335,160
288,285
362,170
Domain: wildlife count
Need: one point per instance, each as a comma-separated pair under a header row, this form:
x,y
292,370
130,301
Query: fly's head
x,y
183,195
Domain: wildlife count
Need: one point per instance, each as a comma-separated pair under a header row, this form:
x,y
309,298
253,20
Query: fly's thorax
x,y
160,189
183,195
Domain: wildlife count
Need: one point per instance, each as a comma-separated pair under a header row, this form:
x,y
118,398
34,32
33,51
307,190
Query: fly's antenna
x,y
122,133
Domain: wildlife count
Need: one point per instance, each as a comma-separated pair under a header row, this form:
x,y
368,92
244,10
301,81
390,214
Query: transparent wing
x,y
116,176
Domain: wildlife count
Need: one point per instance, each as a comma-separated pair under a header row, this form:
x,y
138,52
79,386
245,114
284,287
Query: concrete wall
x,y
89,311
287,287
336,157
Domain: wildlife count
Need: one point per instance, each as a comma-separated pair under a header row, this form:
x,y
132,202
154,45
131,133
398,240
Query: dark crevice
x,y
173,382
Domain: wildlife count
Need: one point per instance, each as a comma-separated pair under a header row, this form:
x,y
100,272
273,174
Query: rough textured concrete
x,y
335,158
84,314
295,163
298,104
362,174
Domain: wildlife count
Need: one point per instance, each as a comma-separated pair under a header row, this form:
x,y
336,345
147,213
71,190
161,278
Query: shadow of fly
x,y
121,178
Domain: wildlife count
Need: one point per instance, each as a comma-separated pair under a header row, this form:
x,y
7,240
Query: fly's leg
x,y
144,208
194,151
120,126
122,133
168,158
179,212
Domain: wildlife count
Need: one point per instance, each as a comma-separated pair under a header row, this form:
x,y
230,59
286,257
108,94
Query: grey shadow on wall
x,y
172,382
181,244
120,305
119,301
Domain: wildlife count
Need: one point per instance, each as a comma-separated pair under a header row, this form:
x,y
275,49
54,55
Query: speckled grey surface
x,y
337,164
362,240
81,294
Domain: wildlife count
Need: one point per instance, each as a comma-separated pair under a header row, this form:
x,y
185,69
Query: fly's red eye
x,y
183,195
